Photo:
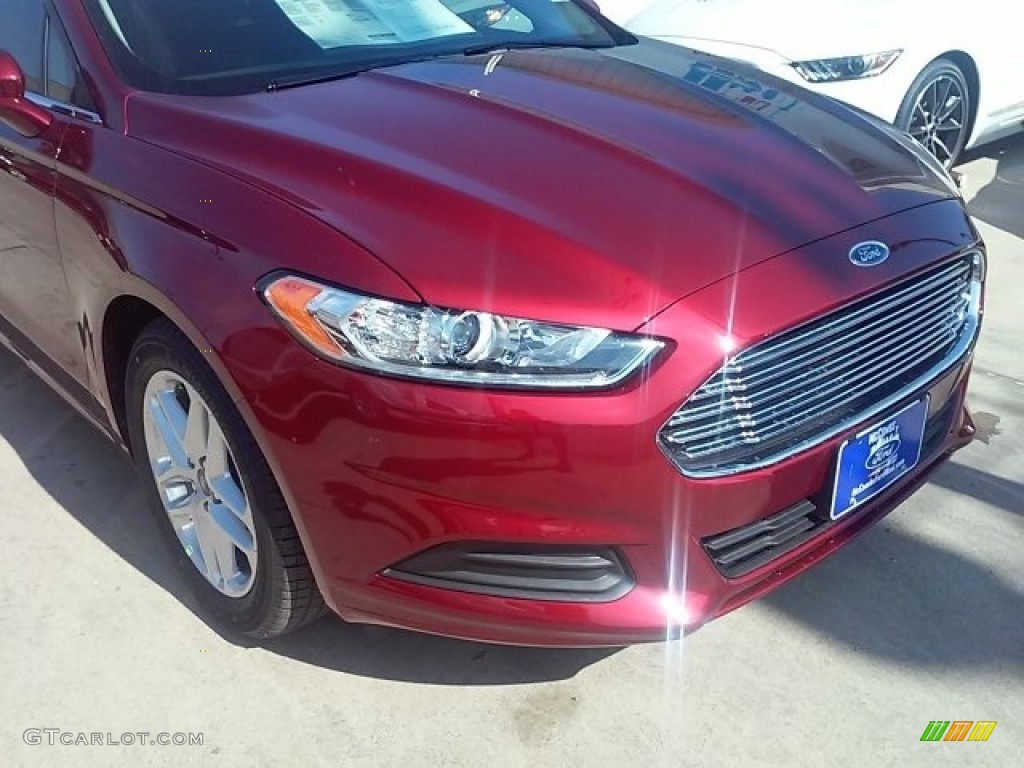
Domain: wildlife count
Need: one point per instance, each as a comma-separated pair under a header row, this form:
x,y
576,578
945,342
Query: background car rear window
x,y
22,36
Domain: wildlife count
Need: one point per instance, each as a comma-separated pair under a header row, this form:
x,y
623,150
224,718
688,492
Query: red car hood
x,y
564,184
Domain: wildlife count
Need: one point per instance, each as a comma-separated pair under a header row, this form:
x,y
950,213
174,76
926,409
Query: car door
x,y
35,312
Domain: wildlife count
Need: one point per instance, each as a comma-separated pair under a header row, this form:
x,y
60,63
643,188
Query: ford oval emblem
x,y
885,451
884,454
869,254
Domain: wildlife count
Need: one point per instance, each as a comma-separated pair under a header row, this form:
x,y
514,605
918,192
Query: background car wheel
x,y
213,494
937,110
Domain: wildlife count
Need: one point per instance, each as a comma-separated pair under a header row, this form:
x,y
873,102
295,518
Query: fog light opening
x,y
530,572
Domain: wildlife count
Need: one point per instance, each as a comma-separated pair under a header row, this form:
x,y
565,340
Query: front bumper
x,y
678,587
377,471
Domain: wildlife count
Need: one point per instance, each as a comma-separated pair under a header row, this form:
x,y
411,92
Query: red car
x,y
486,320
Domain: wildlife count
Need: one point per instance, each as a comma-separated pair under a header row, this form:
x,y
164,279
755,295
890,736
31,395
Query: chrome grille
x,y
803,386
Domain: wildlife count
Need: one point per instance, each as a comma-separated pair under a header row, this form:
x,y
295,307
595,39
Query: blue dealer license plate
x,y
877,457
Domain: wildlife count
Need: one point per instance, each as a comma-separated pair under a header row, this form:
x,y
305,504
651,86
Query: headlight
x,y
454,346
846,67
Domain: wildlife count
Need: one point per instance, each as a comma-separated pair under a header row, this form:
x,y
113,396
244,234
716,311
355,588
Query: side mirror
x,y
592,4
22,115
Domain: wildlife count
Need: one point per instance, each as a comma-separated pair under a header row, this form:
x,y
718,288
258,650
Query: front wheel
x,y
937,111
214,496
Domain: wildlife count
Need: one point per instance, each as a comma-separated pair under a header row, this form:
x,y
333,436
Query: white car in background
x,y
950,73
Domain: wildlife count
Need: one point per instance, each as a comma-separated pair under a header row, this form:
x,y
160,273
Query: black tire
x,y
284,594
944,143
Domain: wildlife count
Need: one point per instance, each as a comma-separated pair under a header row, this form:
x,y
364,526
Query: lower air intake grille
x,y
572,574
742,550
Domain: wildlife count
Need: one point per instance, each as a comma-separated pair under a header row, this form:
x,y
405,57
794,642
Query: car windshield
x,y
223,47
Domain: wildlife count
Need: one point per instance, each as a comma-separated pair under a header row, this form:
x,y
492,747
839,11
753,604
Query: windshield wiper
x,y
520,45
294,81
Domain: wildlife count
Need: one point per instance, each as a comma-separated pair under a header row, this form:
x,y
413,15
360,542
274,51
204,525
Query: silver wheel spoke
x,y
230,495
206,538
952,106
183,514
225,554
232,528
941,103
196,427
169,419
932,98
162,467
216,452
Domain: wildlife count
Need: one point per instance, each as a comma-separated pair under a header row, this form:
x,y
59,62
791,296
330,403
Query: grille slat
x,y
805,385
758,377
933,341
921,349
784,346
836,396
834,348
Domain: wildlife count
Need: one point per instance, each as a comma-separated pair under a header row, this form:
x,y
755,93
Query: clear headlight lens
x,y
846,67
459,347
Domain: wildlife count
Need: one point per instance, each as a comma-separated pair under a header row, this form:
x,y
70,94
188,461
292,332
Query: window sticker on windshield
x,y
333,23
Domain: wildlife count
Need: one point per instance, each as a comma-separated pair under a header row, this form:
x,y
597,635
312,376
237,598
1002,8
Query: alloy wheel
x,y
199,484
939,118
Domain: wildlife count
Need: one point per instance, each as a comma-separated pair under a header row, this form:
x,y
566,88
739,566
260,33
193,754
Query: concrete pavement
x,y
921,619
